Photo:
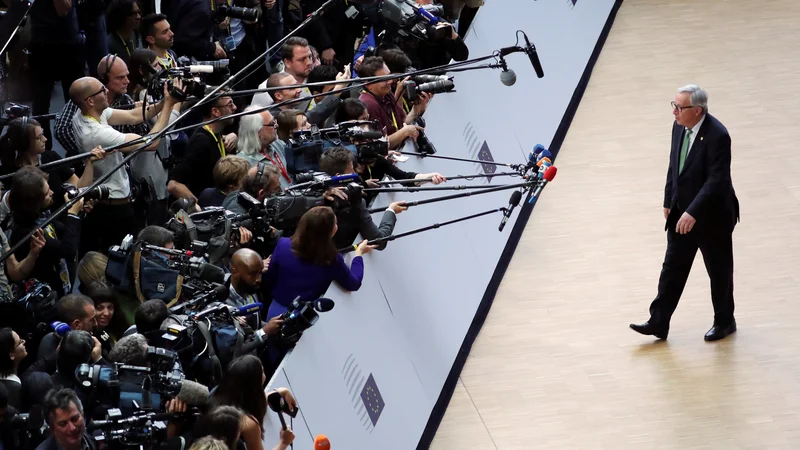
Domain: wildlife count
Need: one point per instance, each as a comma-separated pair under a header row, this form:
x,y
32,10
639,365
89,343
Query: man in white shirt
x,y
298,63
111,219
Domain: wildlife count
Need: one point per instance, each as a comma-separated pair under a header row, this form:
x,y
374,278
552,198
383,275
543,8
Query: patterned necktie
x,y
685,149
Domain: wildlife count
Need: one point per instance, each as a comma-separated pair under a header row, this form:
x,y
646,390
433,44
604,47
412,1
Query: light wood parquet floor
x,y
555,366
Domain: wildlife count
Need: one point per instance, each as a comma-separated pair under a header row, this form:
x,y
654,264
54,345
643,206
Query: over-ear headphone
x,y
18,135
109,64
260,170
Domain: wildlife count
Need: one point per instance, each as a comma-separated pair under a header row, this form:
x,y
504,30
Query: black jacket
x,y
704,188
192,22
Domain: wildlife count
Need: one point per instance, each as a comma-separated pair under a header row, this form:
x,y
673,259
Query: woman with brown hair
x,y
305,265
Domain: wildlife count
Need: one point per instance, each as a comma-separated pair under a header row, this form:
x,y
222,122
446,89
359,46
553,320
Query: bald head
x,y
246,268
86,93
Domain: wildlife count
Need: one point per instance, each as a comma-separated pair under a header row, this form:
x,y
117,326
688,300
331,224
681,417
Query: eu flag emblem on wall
x,y
484,154
372,399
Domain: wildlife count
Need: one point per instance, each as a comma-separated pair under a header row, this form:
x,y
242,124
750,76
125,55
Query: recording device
x,y
218,65
142,429
300,316
223,11
307,146
412,90
60,329
529,49
407,22
424,145
278,405
547,177
97,193
508,77
24,429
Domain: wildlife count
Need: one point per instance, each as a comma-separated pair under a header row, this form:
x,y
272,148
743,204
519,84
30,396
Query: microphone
x,y
321,442
275,402
549,174
533,55
365,134
341,179
508,77
211,273
60,328
516,196
246,310
192,393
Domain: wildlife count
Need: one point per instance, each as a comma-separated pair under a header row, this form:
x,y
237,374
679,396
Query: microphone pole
x,y
478,161
150,138
420,230
457,177
428,188
527,184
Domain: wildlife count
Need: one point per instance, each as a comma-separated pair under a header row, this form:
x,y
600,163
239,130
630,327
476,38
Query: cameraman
x,y
64,415
75,310
260,182
438,51
193,22
77,347
356,219
384,107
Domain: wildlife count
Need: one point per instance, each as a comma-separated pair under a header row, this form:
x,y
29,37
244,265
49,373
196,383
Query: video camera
x,y
25,429
407,22
132,388
301,316
307,146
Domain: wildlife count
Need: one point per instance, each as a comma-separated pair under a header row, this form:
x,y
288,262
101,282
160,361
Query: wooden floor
x,y
555,366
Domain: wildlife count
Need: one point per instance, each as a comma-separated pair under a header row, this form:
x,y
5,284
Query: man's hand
x,y
327,56
666,213
176,406
97,154
359,61
88,205
334,192
372,183
230,141
219,52
422,105
266,263
97,350
436,178
343,76
411,131
685,224
273,326
398,207
169,100
76,208
245,235
37,242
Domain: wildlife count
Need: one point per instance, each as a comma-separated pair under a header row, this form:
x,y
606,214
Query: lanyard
x,y
220,145
279,164
168,63
90,117
124,44
380,103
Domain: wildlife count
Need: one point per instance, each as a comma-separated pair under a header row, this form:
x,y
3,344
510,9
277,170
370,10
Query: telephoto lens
x,y
96,193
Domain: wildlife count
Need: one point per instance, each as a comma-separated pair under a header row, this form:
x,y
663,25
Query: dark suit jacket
x,y
51,444
704,188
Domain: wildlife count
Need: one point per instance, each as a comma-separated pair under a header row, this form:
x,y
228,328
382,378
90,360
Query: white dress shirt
x,y
695,130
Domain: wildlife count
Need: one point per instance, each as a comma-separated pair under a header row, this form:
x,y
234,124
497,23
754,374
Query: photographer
x,y
384,107
327,105
28,200
206,146
113,218
439,50
257,134
261,182
26,147
64,415
193,22
356,218
306,264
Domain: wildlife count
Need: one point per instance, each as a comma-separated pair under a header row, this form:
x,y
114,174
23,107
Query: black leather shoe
x,y
717,332
650,330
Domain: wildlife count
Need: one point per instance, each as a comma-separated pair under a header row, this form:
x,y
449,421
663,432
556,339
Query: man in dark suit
x,y
701,210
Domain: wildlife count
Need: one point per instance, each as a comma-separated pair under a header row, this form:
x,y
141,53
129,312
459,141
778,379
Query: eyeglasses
x,y
678,107
226,105
273,124
101,91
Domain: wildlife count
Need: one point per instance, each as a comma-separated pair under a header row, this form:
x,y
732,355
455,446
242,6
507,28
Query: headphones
x,y
109,64
18,136
260,170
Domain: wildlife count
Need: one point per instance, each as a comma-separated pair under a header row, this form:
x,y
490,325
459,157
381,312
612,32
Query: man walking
x,y
701,211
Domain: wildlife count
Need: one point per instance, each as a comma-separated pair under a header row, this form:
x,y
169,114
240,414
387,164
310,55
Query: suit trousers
x,y
717,249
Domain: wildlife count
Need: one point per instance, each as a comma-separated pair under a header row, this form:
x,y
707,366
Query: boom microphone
x,y
211,273
508,77
516,196
193,394
533,55
201,69
549,174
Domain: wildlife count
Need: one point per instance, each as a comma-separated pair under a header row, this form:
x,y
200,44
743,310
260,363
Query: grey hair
x,y
131,349
60,399
697,95
249,126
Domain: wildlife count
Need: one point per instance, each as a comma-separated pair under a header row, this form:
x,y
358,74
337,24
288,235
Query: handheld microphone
x,y
342,179
516,196
275,402
549,174
533,55
365,134
246,310
60,329
321,442
210,310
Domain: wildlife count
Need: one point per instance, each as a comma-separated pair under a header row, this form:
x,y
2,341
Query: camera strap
x,y
216,366
220,144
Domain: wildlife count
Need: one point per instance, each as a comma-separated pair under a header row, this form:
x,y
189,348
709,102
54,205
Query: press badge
x,y
351,12
230,43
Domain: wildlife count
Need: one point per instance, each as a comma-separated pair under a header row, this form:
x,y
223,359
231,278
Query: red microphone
x,y
549,174
321,442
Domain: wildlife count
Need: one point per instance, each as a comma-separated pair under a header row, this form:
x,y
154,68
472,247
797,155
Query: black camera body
x,y
301,316
100,192
408,23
